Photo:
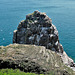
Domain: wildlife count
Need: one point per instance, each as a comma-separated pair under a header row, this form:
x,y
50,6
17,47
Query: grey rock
x,y
15,36
38,29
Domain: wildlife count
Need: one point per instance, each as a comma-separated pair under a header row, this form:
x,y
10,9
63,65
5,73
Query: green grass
x,y
18,72
14,72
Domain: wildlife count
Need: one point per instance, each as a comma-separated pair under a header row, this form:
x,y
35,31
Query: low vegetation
x,y
17,72
14,72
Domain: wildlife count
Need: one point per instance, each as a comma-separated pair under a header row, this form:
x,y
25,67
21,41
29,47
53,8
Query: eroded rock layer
x,y
38,29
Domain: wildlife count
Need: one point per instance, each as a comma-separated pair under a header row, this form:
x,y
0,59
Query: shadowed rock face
x,y
38,29
31,58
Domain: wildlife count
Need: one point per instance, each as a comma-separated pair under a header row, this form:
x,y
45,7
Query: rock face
x,y
38,29
31,58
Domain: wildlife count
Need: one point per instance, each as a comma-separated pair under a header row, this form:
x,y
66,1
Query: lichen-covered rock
x,y
31,58
38,29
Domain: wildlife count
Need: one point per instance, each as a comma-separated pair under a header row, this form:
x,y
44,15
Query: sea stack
x,y
38,29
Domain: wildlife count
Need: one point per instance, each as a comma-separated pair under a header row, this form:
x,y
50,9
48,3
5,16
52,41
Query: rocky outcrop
x,y
38,29
31,58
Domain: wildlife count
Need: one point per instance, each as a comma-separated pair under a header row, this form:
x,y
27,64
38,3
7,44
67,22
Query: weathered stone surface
x,y
31,58
38,29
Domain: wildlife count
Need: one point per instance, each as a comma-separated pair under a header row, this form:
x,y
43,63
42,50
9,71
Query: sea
x,y
62,13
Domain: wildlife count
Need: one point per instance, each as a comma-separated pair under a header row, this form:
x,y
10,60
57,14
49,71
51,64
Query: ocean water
x,y
62,13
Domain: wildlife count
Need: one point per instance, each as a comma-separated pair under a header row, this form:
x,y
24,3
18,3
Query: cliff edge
x,y
31,58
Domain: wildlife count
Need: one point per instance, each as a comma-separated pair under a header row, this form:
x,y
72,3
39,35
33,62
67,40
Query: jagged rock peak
x,y
38,29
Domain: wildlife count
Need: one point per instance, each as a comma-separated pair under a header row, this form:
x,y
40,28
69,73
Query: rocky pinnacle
x,y
38,29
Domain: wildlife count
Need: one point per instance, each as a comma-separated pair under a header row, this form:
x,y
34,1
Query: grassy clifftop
x,y
34,59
